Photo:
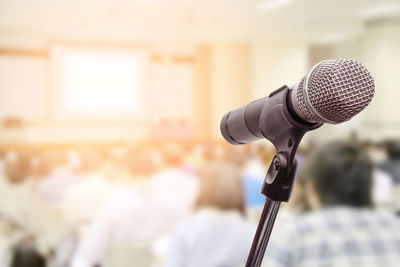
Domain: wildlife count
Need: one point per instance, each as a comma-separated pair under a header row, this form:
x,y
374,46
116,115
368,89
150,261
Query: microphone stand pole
x,y
263,233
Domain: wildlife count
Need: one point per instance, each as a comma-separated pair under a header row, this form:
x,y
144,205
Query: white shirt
x,y
382,190
211,238
52,188
182,186
15,200
83,200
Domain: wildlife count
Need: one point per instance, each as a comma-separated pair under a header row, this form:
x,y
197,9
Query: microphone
x,y
333,91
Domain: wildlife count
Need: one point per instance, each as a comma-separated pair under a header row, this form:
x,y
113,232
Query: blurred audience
x,y
343,229
195,204
217,233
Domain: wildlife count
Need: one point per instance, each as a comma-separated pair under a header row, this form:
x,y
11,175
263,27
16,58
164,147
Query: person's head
x,y
90,161
18,166
236,155
208,151
172,155
140,163
339,174
220,187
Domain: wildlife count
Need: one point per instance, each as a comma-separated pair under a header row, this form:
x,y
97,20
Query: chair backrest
x,y
132,255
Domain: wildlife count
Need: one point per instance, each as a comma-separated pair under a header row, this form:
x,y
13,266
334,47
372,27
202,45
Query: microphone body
x,y
243,125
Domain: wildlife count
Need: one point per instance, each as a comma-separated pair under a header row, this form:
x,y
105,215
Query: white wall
x,y
244,72
275,65
350,49
173,90
381,54
378,48
22,40
230,80
26,92
23,87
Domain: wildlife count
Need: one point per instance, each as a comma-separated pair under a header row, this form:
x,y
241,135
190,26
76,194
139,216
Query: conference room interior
x,y
110,112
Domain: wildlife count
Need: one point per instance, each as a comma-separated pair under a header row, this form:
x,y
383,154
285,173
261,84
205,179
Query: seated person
x,y
342,229
216,234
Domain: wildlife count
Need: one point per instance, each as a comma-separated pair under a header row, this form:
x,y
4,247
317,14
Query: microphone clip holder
x,y
285,130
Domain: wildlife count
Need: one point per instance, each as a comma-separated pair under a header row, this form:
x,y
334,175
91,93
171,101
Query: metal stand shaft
x,y
263,233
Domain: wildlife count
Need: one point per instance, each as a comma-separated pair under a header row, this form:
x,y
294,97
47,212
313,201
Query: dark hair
x,y
26,256
221,187
392,148
342,175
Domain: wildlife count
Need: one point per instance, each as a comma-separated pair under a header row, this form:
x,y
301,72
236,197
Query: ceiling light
x,y
271,4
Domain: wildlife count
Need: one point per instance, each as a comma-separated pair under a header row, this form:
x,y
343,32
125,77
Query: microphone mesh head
x,y
336,90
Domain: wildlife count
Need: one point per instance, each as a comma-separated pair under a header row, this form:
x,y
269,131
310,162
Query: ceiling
x,y
190,20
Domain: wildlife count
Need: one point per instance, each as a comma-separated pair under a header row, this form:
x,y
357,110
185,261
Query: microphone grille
x,y
335,90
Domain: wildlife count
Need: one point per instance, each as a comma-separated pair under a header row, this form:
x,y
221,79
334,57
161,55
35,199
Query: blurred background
x,y
110,111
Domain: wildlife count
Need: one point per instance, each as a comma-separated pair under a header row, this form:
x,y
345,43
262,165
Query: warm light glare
x,y
100,83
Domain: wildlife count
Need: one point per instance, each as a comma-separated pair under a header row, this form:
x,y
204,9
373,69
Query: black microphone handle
x,y
241,126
